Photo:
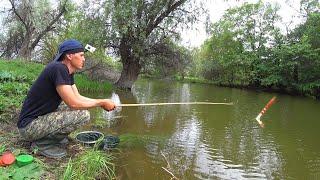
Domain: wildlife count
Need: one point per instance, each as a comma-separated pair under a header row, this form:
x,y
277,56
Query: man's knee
x,y
83,116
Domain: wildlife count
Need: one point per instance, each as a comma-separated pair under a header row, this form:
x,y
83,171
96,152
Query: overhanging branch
x,y
171,7
15,11
49,26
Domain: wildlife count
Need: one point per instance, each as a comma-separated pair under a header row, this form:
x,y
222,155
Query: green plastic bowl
x,y
24,159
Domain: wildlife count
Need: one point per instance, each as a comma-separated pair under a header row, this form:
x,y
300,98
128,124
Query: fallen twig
x,y
169,167
173,176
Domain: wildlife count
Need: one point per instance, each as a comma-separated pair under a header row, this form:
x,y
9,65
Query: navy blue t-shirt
x,y
43,97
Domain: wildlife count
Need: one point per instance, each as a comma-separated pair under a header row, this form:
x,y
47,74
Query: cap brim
x,y
58,56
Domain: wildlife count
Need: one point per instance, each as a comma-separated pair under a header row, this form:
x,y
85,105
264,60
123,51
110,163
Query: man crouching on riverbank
x,y
53,107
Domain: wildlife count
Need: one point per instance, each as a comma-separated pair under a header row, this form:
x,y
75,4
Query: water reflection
x,y
217,142
182,145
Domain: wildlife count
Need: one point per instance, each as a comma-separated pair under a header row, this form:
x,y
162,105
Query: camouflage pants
x,y
62,121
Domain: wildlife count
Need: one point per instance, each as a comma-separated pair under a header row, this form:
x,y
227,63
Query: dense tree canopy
x,y
247,49
28,22
240,41
138,29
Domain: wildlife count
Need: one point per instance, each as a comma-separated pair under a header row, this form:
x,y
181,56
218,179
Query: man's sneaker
x,y
49,150
64,143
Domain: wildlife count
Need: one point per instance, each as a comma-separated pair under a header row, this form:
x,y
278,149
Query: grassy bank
x,y
16,78
85,84
298,90
190,79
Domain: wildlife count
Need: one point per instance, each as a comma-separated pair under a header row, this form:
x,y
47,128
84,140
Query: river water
x,y
212,141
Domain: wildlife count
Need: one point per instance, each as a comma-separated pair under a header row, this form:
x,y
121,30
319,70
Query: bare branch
x,y
171,7
49,26
15,11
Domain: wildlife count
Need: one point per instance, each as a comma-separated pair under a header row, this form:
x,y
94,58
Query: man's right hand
x,y
108,105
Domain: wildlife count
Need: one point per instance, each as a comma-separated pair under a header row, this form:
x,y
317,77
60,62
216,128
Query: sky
x,y
193,38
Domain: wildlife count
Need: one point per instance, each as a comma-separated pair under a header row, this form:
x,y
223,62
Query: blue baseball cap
x,y
68,47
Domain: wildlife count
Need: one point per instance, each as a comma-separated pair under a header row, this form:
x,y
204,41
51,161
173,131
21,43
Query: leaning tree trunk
x,y
129,74
131,65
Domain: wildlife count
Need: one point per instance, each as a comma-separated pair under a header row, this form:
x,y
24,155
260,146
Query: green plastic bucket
x,y
24,159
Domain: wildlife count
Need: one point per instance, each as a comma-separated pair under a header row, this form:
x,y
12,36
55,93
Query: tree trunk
x,y
25,51
129,74
130,62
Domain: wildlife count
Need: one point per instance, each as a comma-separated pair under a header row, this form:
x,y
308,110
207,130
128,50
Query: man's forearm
x,y
85,103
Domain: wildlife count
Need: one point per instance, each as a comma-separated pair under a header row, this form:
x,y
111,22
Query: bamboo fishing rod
x,y
175,103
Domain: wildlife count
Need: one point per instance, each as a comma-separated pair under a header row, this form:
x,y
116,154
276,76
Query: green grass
x,y
92,164
22,71
16,77
85,84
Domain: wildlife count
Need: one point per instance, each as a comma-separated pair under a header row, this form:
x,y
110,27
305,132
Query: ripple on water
x,y
212,164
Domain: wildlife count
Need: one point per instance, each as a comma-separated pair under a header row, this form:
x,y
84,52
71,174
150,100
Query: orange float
x,y
1,163
269,104
7,159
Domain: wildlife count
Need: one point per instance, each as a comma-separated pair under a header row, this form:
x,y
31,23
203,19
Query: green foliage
x,y
92,164
16,78
100,123
20,70
310,31
88,28
174,60
137,29
30,171
14,88
246,49
192,79
296,64
237,44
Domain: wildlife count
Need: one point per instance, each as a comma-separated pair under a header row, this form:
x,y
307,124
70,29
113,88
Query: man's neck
x,y
69,66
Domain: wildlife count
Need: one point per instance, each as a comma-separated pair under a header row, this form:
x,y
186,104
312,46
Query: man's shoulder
x,y
55,64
